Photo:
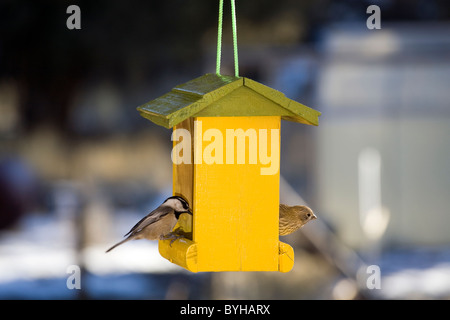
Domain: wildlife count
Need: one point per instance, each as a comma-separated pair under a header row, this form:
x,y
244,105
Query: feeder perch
x,y
235,203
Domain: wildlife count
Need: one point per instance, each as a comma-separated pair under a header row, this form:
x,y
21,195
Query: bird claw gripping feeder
x,y
226,158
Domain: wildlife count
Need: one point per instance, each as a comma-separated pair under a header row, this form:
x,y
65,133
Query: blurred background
x,y
79,166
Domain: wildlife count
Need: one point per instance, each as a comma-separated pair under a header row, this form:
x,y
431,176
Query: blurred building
x,y
383,145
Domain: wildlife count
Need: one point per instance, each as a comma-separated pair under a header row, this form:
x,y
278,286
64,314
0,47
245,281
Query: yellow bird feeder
x,y
226,160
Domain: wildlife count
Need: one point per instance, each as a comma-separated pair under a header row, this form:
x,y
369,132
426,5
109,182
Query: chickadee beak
x,y
189,211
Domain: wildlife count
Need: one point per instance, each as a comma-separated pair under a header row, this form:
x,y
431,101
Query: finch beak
x,y
314,217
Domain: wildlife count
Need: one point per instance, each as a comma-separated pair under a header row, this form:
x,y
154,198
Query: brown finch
x,y
293,218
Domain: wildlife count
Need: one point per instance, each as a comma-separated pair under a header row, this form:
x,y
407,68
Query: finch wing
x,y
152,217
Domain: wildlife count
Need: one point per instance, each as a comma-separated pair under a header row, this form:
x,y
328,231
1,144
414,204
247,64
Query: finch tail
x,y
118,244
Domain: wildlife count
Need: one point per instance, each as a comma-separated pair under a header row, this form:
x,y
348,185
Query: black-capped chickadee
x,y
293,218
159,223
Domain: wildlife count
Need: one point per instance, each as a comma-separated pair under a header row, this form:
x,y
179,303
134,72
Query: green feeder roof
x,y
213,95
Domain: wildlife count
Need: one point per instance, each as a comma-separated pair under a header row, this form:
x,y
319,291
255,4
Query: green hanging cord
x,y
219,38
236,62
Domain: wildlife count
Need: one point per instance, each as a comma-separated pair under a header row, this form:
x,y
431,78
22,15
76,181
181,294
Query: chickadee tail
x,y
118,244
